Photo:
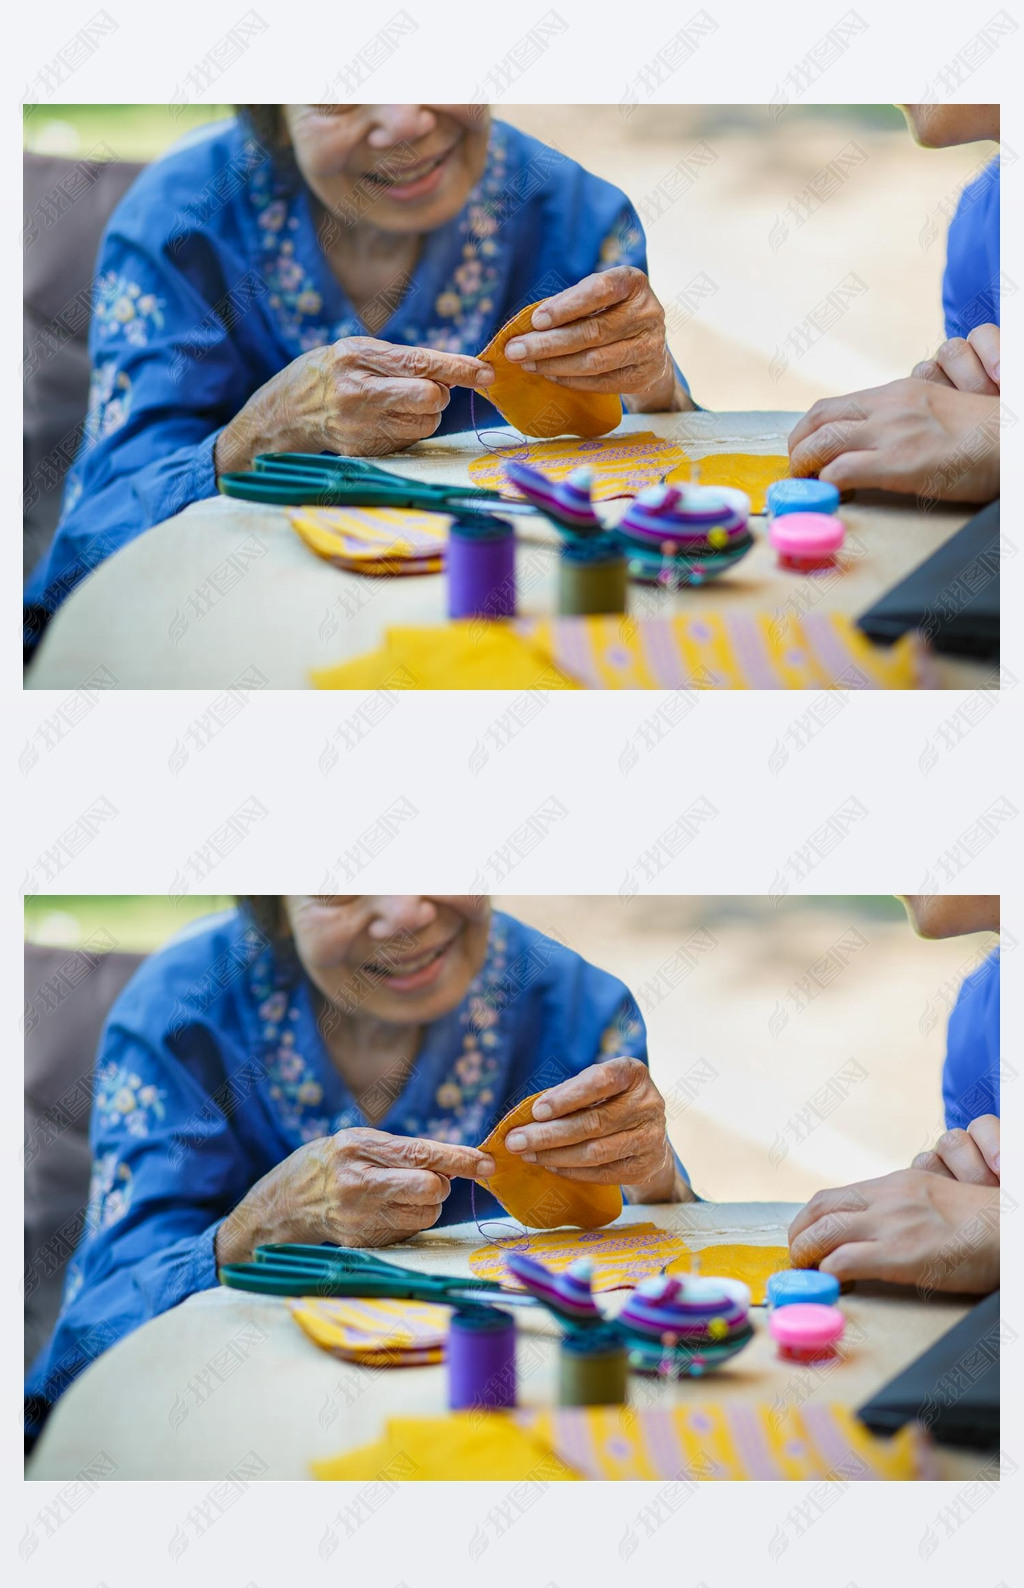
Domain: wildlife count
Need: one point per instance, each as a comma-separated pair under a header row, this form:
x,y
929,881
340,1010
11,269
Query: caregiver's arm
x,y
605,1125
605,334
356,1188
357,396
911,1228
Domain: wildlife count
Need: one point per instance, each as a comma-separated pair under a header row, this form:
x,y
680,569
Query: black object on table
x,y
953,1389
952,598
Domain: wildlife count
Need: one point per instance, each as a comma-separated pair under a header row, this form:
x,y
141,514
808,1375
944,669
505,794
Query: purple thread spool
x,y
481,565
481,1355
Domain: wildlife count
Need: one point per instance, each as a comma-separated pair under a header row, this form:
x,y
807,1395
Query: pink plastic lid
x,y
806,534
806,1324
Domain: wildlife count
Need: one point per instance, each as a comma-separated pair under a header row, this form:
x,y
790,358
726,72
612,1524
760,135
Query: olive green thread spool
x,y
592,577
592,1370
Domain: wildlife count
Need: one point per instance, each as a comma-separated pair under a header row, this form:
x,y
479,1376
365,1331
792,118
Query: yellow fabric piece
x,y
703,650
460,1445
709,650
374,540
623,465
753,1264
467,655
536,406
752,472
716,1441
703,1440
534,1195
376,1332
621,1257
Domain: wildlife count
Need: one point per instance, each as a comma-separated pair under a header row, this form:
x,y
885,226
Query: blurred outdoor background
x,y
798,255
797,1044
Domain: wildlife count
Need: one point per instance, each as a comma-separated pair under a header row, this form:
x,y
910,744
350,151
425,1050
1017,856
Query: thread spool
x,y
592,1370
481,566
591,577
481,1357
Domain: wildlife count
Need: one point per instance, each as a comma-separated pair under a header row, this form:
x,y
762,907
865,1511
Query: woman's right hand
x,y
358,396
357,1188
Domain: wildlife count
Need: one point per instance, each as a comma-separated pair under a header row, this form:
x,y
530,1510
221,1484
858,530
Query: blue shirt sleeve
x,y
970,285
167,1169
167,376
970,1076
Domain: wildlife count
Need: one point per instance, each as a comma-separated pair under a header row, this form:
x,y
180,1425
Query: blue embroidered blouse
x,y
211,279
212,1070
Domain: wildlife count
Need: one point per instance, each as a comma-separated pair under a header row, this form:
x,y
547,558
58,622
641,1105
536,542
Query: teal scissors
x,y
297,479
289,1270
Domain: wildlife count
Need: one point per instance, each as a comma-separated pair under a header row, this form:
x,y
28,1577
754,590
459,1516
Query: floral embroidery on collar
x,y
461,316
464,1099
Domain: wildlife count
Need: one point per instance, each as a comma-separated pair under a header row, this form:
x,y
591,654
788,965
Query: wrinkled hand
x,y
356,396
970,364
911,1228
356,1188
605,1125
912,435
605,334
970,1155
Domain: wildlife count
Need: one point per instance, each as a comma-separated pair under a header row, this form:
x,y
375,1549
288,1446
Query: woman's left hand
x,y
605,334
607,1126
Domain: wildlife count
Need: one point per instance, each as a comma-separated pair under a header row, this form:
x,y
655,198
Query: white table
x,y
226,587
192,1392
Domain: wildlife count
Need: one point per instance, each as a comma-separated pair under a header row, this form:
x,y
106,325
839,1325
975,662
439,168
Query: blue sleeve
x,y
970,1075
167,1169
971,281
167,376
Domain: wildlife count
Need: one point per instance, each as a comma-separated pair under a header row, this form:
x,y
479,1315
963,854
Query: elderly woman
x,y
312,278
319,1070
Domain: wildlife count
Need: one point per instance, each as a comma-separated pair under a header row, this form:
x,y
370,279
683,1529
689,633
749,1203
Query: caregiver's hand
x,y
356,1188
911,1228
605,1125
606,334
971,1155
912,435
356,396
969,364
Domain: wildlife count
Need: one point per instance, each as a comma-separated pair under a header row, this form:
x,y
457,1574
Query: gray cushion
x,y
68,994
67,206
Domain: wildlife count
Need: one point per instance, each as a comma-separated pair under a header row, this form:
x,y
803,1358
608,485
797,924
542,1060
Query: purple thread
x,y
481,1357
481,568
508,448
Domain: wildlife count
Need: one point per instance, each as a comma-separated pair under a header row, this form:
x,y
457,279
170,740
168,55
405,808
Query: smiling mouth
x,y
407,177
399,969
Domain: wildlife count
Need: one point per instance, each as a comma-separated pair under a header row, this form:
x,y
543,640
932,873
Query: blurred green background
x,y
136,922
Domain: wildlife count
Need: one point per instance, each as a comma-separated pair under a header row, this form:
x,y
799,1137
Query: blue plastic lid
x,y
801,496
800,1285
